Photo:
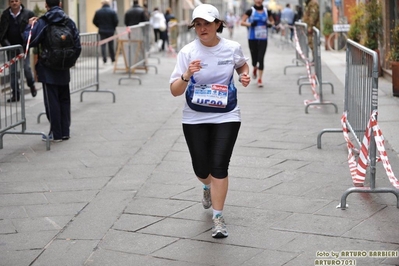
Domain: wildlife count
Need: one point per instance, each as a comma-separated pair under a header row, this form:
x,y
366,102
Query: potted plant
x,y
356,29
327,27
394,58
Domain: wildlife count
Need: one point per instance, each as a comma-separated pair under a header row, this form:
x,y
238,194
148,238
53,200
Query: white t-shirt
x,y
158,20
218,66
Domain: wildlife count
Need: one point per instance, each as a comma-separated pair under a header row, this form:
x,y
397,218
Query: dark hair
x,y
52,3
219,30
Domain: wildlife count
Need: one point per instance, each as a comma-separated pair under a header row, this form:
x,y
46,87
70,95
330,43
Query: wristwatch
x,y
182,78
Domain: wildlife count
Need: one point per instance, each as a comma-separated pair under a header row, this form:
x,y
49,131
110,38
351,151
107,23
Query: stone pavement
x,y
121,191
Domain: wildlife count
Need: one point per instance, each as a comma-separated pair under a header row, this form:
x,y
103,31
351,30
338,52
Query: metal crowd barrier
x,y
134,44
185,35
12,115
317,62
361,90
285,34
85,74
150,46
173,36
302,38
318,75
361,100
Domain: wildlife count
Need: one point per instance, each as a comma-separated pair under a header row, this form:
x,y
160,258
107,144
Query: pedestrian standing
x,y
135,14
158,23
231,20
106,21
312,18
257,19
211,117
288,16
12,26
168,17
53,65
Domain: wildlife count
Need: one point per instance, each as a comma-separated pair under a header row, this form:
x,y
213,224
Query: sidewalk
x,y
122,191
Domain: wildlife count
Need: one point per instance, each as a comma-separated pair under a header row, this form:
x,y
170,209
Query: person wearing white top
x,y
211,117
158,23
231,20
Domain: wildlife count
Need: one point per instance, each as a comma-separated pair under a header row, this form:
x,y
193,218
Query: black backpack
x,y
58,49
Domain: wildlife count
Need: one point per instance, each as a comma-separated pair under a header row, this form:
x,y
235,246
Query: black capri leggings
x,y
211,146
258,51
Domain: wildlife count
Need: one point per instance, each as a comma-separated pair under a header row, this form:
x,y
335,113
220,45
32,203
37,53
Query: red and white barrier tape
x,y
29,37
12,61
358,170
379,141
314,83
107,39
15,59
311,77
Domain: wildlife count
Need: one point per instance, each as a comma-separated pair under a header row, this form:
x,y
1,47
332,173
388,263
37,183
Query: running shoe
x,y
51,138
206,200
219,227
260,84
254,72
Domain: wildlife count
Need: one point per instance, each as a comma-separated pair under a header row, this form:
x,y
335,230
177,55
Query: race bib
x,y
211,95
260,32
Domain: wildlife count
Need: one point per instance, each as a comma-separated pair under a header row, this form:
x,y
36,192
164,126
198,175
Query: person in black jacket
x,y
106,21
56,92
12,25
135,14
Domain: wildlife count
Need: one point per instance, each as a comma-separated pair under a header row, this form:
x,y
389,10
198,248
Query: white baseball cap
x,y
207,12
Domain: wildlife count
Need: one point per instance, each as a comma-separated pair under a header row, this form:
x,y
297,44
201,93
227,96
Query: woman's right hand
x,y
193,67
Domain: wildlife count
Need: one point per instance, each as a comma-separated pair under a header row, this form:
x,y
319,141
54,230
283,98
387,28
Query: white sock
x,y
216,212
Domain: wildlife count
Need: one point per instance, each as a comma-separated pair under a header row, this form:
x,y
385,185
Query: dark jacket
x,y
106,20
135,15
45,74
23,20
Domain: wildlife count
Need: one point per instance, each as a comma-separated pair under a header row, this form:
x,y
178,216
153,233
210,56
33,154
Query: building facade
x,y
82,12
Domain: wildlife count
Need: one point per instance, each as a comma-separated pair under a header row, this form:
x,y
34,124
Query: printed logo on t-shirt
x,y
225,62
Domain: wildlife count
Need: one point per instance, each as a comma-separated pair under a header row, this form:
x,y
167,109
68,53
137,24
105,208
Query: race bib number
x,y
260,32
211,95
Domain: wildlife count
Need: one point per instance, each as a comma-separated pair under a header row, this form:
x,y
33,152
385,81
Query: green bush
x,y
356,29
327,24
373,24
38,11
